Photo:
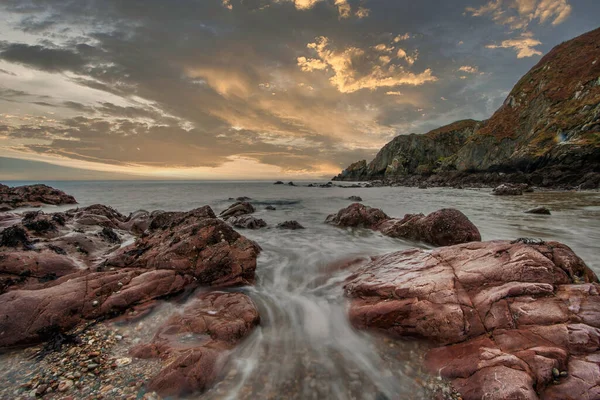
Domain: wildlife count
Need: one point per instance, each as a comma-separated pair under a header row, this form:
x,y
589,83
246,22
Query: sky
x,y
253,89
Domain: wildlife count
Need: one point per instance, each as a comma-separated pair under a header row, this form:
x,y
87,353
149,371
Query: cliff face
x,y
550,120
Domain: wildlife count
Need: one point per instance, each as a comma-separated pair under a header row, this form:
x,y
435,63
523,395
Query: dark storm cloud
x,y
294,84
41,57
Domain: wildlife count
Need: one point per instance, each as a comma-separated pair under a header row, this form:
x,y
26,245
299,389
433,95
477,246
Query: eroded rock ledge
x,y
509,317
61,271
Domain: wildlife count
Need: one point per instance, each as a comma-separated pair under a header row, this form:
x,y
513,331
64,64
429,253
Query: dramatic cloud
x,y
261,88
523,45
353,69
519,14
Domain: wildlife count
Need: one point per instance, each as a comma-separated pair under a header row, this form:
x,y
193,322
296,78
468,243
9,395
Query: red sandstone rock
x,y
196,244
32,196
357,215
194,344
54,266
505,314
440,228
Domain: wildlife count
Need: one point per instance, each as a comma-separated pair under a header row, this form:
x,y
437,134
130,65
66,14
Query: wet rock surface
x,y
508,190
357,216
512,319
441,228
541,210
237,209
32,196
193,344
247,222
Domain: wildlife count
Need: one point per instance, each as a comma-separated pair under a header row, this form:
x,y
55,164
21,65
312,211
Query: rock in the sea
x,y
195,243
47,291
237,209
32,196
505,314
357,216
355,198
440,228
292,225
270,208
278,183
444,227
246,222
193,344
539,210
291,183
507,190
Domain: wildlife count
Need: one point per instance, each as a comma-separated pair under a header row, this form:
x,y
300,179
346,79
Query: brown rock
x,y
32,196
247,222
440,228
196,244
237,209
357,215
194,343
507,190
506,314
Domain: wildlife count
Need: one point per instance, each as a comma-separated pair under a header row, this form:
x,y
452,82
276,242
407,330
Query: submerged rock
x,y
292,225
539,210
355,198
270,208
193,344
504,314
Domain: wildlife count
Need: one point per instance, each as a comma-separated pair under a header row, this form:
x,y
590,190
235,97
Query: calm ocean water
x,y
304,346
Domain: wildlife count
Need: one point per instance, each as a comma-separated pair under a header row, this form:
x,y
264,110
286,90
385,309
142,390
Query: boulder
x,y
507,190
278,183
507,317
270,208
195,243
292,225
444,227
357,216
247,222
538,210
440,228
355,198
194,343
237,209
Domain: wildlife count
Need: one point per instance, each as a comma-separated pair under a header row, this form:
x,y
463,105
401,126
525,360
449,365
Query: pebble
x,y
65,385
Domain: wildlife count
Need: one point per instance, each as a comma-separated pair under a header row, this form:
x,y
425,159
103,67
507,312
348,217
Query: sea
x,y
304,347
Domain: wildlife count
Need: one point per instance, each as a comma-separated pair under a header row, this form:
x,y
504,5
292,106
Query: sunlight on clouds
x,y
346,76
469,69
518,14
523,45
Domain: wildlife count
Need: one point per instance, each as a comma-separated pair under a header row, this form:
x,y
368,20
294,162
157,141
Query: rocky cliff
x,y
546,133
